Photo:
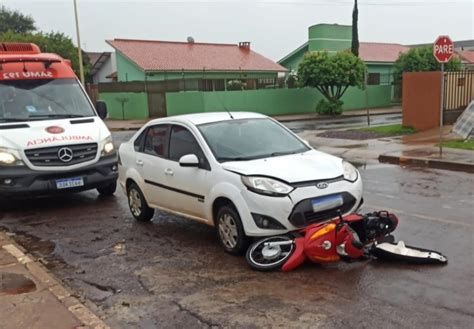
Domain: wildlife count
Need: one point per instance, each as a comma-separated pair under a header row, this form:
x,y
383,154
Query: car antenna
x,y
230,114
225,108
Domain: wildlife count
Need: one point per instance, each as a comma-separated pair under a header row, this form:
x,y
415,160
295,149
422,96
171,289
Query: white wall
x,y
109,67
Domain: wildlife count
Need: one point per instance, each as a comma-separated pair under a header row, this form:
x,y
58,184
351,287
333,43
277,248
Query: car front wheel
x,y
137,203
230,231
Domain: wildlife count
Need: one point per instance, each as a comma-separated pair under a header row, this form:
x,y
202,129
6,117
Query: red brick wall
x,y
421,99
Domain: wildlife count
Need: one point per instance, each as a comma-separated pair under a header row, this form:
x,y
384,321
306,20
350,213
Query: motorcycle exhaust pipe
x,y
277,243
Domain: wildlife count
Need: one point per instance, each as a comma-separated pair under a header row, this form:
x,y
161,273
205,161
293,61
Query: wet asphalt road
x,y
343,123
171,273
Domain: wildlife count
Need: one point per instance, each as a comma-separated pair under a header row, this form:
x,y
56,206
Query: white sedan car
x,y
244,173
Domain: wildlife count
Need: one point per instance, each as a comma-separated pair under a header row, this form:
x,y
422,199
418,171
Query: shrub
x,y
332,107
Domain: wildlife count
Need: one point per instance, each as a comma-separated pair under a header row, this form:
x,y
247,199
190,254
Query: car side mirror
x,y
189,160
101,108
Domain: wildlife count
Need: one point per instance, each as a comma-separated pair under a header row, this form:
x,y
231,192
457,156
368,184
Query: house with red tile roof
x,y
467,58
204,66
378,56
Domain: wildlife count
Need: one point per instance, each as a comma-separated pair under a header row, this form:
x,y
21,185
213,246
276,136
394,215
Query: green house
x,y
202,66
379,57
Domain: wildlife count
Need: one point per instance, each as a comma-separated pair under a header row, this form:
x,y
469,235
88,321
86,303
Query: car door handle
x,y
169,172
139,163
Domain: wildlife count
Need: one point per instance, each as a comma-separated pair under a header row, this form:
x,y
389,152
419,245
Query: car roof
x,y
209,117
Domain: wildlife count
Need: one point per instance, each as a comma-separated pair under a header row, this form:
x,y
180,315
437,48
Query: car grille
x,y
50,156
303,214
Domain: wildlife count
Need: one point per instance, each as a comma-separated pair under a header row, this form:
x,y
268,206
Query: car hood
x,y
294,168
36,135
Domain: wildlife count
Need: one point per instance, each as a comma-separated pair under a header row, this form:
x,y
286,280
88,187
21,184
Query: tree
x,y
355,30
15,21
421,60
331,75
53,42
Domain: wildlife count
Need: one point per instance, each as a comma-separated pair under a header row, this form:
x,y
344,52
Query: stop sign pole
x,y
443,50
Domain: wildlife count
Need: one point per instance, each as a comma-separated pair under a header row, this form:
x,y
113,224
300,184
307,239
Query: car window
x,y
182,142
137,144
246,139
156,140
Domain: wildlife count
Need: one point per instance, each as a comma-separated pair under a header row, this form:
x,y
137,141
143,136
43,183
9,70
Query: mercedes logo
x,y
322,185
65,154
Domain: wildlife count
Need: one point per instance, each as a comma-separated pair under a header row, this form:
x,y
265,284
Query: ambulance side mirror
x,y
101,108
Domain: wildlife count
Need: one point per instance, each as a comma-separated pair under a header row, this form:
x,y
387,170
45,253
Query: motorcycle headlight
x,y
266,186
108,147
350,172
10,157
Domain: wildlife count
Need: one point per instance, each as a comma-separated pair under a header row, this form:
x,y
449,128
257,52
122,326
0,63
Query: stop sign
x,y
443,49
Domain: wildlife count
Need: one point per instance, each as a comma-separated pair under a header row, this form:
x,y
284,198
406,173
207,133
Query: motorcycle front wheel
x,y
270,253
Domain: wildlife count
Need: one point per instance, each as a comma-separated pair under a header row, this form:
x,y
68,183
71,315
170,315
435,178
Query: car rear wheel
x,y
137,203
108,190
230,230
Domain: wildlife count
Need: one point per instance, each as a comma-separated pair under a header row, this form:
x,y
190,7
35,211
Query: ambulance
x,y
52,139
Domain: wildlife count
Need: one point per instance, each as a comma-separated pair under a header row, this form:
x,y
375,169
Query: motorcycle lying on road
x,y
350,237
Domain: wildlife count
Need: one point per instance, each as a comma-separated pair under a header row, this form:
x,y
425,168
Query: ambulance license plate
x,y
69,183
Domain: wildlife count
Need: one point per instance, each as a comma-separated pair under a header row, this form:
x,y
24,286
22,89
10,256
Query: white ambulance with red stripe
x,y
52,139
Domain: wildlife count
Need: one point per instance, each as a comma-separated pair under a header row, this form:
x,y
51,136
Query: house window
x,y
212,85
219,85
373,79
205,85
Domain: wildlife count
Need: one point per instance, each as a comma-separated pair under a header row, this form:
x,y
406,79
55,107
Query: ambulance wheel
x,y
108,190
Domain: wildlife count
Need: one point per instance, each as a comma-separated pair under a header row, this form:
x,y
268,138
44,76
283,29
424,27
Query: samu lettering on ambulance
x,y
55,139
28,75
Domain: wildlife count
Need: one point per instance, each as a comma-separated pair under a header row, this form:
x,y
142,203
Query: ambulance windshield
x,y
42,99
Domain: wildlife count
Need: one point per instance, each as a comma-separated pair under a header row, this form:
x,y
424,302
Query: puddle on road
x,y
35,245
15,284
42,250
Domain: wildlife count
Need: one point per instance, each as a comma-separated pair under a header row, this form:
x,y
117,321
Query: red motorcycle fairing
x,y
353,218
318,243
297,258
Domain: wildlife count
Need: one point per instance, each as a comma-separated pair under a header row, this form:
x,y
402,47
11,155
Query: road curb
x,y
54,285
124,129
320,118
330,117
426,162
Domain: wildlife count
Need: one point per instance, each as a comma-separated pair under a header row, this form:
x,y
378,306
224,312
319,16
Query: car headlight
x,y
10,157
267,186
350,172
108,147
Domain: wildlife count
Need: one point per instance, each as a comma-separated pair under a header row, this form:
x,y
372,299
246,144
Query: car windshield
x,y
27,100
248,139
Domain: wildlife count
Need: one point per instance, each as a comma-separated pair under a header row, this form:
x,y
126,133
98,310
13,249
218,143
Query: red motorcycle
x,y
351,237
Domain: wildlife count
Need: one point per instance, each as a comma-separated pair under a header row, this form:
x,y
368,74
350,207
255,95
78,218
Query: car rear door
x,y
188,186
150,163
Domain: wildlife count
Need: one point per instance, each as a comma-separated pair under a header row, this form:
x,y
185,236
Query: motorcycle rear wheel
x,y
268,258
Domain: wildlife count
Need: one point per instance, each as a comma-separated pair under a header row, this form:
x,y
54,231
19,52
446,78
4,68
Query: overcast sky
x,y
275,27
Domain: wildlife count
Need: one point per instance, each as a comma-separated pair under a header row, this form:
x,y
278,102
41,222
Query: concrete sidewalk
x,y
30,297
417,150
125,125
345,114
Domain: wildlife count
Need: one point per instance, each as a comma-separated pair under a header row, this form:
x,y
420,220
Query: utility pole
x,y
79,50
355,30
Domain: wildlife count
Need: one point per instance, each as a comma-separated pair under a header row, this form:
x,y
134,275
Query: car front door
x,y
150,163
188,186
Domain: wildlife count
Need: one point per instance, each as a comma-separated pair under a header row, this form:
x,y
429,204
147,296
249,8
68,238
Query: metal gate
x,y
458,93
156,104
